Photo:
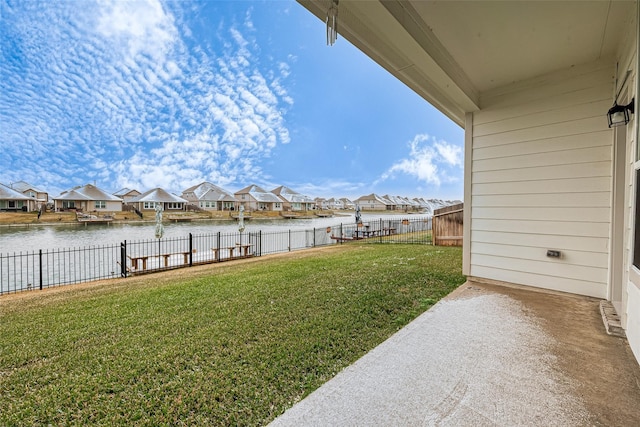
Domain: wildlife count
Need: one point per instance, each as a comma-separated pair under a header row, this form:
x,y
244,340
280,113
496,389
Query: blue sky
x,y
148,94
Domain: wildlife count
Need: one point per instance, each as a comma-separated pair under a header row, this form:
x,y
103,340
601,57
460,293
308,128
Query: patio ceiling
x,y
450,52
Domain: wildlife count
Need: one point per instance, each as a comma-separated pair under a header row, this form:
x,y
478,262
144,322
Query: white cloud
x,y
452,154
143,27
429,160
122,86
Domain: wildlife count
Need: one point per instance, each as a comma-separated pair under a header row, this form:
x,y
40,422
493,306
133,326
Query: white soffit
x,y
502,42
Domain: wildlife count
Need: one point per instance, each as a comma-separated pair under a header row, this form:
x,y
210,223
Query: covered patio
x,y
487,355
550,217
550,185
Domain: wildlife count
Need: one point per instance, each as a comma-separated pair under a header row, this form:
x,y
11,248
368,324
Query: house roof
x,y
210,192
395,200
259,194
251,188
126,192
374,196
8,193
158,195
288,195
87,192
453,52
23,186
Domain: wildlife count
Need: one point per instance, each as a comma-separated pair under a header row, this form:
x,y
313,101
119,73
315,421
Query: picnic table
x,y
365,233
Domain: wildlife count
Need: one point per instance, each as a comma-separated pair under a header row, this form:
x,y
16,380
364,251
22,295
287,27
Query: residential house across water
x,y
41,197
209,197
373,202
127,194
255,198
87,198
13,200
292,200
148,200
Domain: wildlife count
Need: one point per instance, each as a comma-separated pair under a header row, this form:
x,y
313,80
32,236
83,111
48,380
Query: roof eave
x,y
393,35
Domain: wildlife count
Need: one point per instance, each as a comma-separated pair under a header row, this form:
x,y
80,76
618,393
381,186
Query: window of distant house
x,y
149,205
277,205
101,204
174,205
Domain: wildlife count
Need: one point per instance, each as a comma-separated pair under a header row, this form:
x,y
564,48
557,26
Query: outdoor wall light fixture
x,y
618,115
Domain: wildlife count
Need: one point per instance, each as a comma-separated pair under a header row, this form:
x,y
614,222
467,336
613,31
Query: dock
x,y
245,217
180,218
92,219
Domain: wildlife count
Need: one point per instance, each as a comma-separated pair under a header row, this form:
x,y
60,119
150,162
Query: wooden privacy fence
x,y
447,225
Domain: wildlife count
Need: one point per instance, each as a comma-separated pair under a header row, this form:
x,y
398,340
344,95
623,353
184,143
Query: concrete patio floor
x,y
487,355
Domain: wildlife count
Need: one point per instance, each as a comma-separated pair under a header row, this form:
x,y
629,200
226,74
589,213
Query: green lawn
x,y
229,344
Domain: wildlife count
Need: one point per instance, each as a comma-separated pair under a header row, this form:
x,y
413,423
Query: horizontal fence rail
x,y
49,268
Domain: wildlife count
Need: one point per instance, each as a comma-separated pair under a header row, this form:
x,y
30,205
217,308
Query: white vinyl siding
x,y
541,179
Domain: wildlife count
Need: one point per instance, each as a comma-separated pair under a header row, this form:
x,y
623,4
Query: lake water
x,y
34,237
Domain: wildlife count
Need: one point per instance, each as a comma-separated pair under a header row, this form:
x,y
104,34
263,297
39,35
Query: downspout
x,y
625,293
466,215
637,80
630,203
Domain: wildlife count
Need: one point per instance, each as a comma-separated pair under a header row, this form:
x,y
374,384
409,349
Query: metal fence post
x,y
190,250
123,259
40,262
289,240
218,248
314,237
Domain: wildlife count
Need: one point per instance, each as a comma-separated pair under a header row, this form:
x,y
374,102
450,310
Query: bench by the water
x,y
243,250
149,263
140,263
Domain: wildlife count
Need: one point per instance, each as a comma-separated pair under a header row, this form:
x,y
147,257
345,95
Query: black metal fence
x,y
48,268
